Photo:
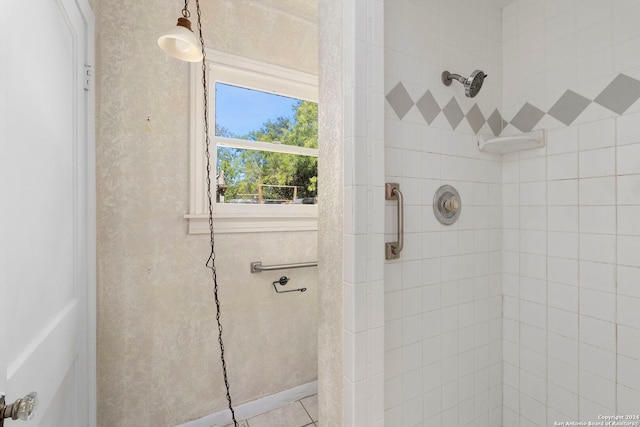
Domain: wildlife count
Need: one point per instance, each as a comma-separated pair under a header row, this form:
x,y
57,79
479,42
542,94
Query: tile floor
x,y
303,413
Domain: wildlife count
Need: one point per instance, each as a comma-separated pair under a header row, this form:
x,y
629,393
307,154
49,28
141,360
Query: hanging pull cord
x,y
185,10
212,257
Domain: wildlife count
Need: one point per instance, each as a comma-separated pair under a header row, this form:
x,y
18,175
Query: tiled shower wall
x,y
571,230
443,343
564,217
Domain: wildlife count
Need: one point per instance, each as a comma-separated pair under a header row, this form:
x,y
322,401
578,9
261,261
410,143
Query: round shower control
x,y
447,205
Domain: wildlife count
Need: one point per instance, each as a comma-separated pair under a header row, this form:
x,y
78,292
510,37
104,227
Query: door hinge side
x,y
87,77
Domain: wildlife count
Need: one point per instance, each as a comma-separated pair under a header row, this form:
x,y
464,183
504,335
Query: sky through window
x,y
241,110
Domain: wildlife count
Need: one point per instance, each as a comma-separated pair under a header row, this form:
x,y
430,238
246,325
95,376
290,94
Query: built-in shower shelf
x,y
510,144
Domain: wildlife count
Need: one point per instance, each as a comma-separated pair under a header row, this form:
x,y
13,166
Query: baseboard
x,y
257,407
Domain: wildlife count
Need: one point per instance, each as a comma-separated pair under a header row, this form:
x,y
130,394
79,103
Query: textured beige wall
x,y
158,357
330,228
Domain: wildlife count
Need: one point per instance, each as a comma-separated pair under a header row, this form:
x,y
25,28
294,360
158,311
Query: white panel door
x,y
47,205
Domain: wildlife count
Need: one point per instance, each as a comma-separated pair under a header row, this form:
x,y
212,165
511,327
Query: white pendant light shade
x,y
181,43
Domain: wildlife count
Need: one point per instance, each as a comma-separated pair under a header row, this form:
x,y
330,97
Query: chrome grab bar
x,y
392,192
257,267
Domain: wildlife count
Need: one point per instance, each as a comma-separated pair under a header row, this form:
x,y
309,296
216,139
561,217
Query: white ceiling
x,y
503,3
303,9
308,9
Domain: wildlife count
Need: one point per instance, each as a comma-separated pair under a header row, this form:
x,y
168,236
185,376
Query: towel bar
x,y
257,267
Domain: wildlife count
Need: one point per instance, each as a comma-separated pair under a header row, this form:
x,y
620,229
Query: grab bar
x,y
257,267
392,192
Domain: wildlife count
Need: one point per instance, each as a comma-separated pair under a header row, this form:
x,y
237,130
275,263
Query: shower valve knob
x,y
452,205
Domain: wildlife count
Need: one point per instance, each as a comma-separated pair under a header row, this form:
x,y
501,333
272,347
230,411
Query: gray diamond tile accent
x,y
569,107
453,113
496,123
400,100
527,117
475,118
428,107
621,93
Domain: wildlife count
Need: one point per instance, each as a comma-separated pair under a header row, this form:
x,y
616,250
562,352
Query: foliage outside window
x,y
265,165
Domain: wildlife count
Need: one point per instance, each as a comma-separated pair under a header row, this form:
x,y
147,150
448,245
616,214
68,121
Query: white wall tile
x,y
533,314
598,333
562,322
627,159
411,301
598,275
411,329
629,250
590,409
629,372
628,223
393,334
563,374
629,342
597,389
432,323
533,241
628,129
598,134
533,361
628,283
532,411
628,399
412,410
629,190
559,25
601,305
562,166
563,401
565,192
598,361
532,265
598,191
627,311
562,270
533,290
412,386
533,169
563,245
591,12
594,163
533,386
563,296
598,219
623,28
535,218
563,218
598,247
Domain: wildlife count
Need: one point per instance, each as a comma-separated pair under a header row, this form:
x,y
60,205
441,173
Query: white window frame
x,y
243,218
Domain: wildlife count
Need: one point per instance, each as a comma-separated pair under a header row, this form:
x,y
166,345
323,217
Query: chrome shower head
x,y
472,84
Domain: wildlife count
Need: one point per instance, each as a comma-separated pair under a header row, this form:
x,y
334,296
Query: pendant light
x,y
180,42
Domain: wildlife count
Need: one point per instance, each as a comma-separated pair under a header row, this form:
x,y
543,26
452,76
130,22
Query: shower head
x,y
472,84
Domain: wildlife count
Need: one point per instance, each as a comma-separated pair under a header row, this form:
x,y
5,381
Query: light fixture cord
x,y
212,257
185,10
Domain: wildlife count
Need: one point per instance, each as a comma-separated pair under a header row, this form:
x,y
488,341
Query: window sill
x,y
239,219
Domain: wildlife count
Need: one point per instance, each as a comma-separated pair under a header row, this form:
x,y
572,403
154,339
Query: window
x,y
263,131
